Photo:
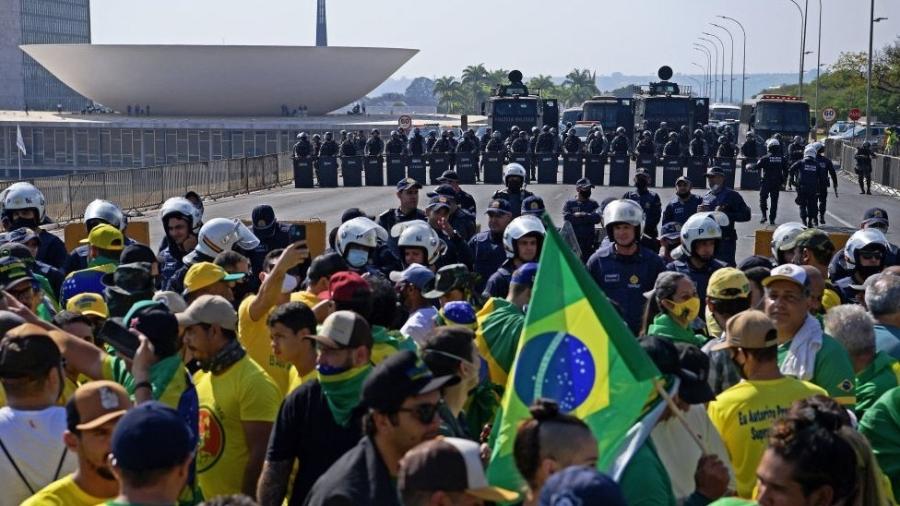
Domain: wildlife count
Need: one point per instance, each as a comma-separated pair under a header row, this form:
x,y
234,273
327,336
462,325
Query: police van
x,y
511,105
771,114
610,113
668,102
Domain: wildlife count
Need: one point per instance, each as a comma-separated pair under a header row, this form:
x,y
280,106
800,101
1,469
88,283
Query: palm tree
x,y
474,79
541,82
447,89
499,76
580,85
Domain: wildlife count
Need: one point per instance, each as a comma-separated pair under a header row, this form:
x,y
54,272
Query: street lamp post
x,y
872,21
818,64
731,71
716,67
722,94
703,89
802,45
743,56
703,49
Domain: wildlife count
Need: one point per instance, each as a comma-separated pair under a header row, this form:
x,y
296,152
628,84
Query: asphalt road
x,y
844,213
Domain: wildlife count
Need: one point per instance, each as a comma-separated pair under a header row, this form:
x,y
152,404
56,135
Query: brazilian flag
x,y
577,350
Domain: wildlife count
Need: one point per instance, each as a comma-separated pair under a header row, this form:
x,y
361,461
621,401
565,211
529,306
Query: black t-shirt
x,y
305,430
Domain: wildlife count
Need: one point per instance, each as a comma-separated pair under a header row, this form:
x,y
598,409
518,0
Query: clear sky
x,y
536,36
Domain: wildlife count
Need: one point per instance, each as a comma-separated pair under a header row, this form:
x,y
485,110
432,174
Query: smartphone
x,y
297,232
120,338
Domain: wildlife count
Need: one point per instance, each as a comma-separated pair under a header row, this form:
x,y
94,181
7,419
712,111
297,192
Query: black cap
x,y
407,183
448,175
130,279
533,205
641,172
584,183
398,377
445,189
449,277
499,206
137,253
354,212
19,251
715,171
691,369
159,325
755,261
263,219
13,271
27,351
150,437
323,266
875,216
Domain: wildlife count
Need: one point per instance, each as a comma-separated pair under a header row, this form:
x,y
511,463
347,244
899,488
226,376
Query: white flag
x,y
20,142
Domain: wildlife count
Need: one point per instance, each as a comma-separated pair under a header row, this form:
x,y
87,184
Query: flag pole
x,y
20,164
678,414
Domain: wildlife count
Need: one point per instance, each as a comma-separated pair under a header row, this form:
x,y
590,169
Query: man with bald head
x,y
883,302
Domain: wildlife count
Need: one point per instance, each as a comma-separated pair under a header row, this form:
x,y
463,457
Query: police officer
x,y
408,195
457,250
460,219
661,136
863,170
556,140
329,146
271,233
572,144
97,212
700,237
395,146
24,206
583,213
826,170
431,141
495,144
374,146
357,241
522,242
181,221
487,246
645,147
865,254
726,148
485,138
620,145
648,200
877,218
468,144
805,176
684,138
597,145
348,147
215,236
723,199
771,168
622,268
750,147
443,144
532,140
673,147
520,145
544,143
698,148
795,154
683,204
465,200
302,148
513,135
533,206
515,193
419,244
360,140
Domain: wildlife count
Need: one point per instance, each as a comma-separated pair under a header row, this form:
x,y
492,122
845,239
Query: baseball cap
x,y
416,274
499,206
728,283
460,313
670,231
130,278
154,320
715,171
13,271
88,304
151,436
693,389
137,252
438,201
324,266
812,239
755,261
875,216
447,278
788,272
97,402
533,205
203,274
20,235
581,485
209,309
344,329
263,219
354,212
445,190
345,284
397,377
525,274
105,236
171,300
642,172
684,179
449,464
27,350
584,183
448,175
750,329
407,183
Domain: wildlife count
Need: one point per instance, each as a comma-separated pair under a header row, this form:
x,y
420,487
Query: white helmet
x,y
220,234
24,195
419,234
623,211
785,233
810,151
518,228
361,231
699,227
862,239
514,169
107,212
772,142
184,209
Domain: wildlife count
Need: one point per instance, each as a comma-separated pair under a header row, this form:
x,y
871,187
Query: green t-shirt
x,y
881,426
834,371
645,481
872,382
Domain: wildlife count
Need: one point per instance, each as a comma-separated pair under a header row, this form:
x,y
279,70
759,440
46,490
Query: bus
x,y
771,114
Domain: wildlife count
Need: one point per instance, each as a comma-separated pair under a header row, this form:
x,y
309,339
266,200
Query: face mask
x,y
715,188
24,223
357,257
641,184
584,195
330,370
687,310
514,184
683,194
867,270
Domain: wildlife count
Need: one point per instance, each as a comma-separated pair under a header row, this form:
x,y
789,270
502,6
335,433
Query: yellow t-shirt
x,y
63,492
308,298
243,393
69,388
256,338
743,415
295,380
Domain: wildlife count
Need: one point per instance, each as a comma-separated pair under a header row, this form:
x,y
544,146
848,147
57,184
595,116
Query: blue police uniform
x,y
624,279
169,263
52,250
583,226
515,199
680,210
498,283
463,222
652,206
737,211
806,176
488,254
700,277
771,170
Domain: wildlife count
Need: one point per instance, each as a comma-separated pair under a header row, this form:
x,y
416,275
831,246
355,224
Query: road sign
x,y
405,122
854,114
828,114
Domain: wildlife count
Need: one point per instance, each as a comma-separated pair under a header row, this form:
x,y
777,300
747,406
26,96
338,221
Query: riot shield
x,y
547,167
351,170
465,167
696,171
493,168
437,164
303,173
618,170
374,171
328,177
594,168
672,170
396,169
728,165
572,169
749,174
416,168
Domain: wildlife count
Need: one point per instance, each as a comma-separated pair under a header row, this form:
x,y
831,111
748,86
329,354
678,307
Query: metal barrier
x,y
885,169
67,196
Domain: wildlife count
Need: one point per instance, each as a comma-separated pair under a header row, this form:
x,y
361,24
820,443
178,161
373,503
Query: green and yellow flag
x,y
577,350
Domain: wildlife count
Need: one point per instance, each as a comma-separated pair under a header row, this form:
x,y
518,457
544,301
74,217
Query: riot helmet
x,y
623,211
520,227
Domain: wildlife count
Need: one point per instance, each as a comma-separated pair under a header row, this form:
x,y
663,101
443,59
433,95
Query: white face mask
x,y
357,257
289,284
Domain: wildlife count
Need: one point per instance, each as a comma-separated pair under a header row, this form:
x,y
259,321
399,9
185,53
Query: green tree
x,y
579,85
450,94
475,81
542,83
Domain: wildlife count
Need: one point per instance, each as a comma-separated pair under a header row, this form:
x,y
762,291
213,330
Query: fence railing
x,y
67,196
885,169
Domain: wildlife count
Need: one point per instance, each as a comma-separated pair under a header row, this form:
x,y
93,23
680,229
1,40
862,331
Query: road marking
x,y
839,220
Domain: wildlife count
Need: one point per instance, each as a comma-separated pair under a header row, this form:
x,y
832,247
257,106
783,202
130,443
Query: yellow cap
x,y
728,283
89,304
203,274
106,237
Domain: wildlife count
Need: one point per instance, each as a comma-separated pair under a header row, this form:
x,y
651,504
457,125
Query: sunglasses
x,y
870,255
424,413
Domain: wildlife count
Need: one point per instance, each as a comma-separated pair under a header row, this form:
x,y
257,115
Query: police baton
x,y
835,192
